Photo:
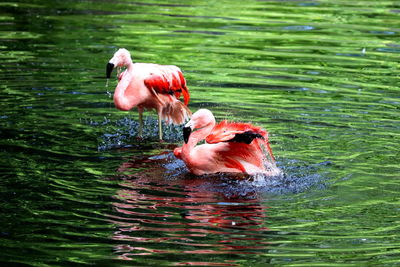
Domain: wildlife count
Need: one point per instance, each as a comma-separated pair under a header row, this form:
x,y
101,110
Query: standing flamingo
x,y
150,86
231,147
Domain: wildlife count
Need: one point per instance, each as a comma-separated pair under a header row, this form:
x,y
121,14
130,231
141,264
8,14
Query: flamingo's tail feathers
x,y
175,112
183,87
186,95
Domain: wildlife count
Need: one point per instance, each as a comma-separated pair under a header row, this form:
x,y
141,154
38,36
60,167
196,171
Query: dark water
x,y
78,188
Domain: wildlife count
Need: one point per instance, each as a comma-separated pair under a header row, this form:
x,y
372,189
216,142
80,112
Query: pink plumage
x,y
231,147
150,86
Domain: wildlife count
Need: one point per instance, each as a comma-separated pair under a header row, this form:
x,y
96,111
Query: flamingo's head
x,y
200,119
121,58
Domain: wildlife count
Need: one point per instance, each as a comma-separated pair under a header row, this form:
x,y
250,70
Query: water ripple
x,y
78,188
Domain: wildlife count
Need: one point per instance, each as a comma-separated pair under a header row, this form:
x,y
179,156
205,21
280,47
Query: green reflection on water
x,y
321,76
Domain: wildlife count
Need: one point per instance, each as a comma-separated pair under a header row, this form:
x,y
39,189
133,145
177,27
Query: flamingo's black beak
x,y
109,69
186,133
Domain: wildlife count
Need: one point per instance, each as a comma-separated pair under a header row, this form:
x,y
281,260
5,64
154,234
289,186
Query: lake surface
x,y
322,77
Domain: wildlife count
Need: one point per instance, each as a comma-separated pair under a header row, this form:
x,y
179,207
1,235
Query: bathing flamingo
x,y
231,147
150,86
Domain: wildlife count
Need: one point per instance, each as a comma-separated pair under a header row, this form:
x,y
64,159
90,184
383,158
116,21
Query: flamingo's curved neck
x,y
197,136
122,99
129,65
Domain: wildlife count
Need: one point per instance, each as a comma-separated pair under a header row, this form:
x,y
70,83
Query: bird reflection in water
x,y
164,209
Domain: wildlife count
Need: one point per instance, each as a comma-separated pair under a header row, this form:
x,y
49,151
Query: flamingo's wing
x,y
167,79
243,133
235,132
246,137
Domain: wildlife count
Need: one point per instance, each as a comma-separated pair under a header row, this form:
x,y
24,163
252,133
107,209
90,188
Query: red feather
x,y
169,82
239,151
226,131
234,164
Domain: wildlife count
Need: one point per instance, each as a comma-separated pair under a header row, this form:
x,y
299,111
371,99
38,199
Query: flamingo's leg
x,y
140,133
160,135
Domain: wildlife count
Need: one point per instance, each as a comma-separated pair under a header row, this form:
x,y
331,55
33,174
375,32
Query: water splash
x,y
125,132
288,176
294,177
291,180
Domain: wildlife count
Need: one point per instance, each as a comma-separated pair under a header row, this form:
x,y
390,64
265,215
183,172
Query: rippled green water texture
x,y
78,188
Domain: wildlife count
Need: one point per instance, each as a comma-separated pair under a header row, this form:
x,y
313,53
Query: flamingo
x,y
150,86
231,147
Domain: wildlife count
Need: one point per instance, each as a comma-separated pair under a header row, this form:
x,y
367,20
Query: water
x,y
78,188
